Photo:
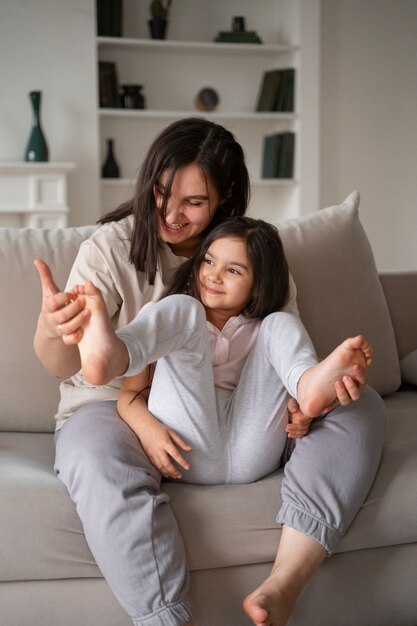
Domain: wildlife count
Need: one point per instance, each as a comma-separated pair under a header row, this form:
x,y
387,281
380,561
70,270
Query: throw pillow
x,y
339,294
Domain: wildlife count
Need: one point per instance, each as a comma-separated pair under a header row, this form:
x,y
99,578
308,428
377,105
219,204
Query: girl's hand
x,y
63,313
161,445
298,424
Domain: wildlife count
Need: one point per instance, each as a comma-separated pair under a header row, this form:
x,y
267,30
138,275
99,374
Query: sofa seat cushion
x,y
41,536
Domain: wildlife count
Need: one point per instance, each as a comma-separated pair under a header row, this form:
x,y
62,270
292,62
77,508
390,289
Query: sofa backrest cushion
x,y
28,393
339,294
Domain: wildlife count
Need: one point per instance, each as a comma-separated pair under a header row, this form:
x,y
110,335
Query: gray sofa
x,y
48,576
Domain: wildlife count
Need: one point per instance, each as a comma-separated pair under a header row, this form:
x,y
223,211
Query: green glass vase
x,y
37,148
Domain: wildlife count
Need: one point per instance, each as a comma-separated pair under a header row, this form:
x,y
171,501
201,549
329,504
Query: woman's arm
x,y
59,326
160,443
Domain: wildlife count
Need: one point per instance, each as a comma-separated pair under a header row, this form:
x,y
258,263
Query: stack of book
x,y
108,85
277,91
230,36
278,155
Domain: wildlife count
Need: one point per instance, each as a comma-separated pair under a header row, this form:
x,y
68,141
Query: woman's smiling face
x,y
190,208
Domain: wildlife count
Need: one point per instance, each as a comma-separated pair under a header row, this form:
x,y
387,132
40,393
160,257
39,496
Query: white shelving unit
x,y
34,194
174,70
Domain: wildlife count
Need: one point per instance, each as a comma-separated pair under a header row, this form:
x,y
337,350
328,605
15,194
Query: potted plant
x,y
158,23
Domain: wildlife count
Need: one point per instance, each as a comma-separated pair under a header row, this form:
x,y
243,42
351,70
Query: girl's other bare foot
x,y
316,388
103,355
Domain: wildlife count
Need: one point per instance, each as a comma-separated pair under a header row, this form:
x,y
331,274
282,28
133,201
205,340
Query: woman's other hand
x,y
63,313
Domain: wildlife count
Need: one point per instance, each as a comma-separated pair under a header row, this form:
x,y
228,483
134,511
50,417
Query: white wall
x,y
49,45
368,113
369,119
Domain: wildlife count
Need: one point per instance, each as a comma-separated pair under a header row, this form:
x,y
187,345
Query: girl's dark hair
x,y
188,141
266,255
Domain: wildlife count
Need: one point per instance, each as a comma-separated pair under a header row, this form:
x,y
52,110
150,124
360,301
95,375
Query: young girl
x,y
227,359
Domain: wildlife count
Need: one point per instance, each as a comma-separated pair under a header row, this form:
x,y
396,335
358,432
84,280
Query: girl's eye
x,y
232,270
207,261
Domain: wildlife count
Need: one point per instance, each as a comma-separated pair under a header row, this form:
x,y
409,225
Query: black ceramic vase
x,y
37,148
157,28
110,167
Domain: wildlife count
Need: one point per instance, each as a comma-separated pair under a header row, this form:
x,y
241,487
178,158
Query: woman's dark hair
x,y
266,255
188,141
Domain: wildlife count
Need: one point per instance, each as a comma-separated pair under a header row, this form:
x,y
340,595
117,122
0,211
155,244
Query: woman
x,y
193,177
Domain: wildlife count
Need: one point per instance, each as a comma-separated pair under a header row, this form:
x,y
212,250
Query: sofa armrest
x,y
400,288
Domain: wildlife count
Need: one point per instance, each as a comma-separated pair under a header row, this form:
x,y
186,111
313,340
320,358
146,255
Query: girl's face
x,y
190,208
226,277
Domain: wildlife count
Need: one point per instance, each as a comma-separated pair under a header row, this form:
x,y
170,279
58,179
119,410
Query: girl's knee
x,y
277,322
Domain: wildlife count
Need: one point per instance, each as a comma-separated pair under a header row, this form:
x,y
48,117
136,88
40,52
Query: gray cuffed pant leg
x,y
127,520
330,472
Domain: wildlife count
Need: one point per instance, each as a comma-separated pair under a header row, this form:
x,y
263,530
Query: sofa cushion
x,y
25,383
41,535
338,290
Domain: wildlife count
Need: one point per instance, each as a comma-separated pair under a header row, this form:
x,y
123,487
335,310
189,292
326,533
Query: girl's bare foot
x,y
316,388
103,355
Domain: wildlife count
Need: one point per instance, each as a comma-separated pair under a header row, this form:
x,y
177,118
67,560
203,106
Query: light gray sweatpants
x,y
236,437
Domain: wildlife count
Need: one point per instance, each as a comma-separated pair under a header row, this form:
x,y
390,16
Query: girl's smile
x,y
226,279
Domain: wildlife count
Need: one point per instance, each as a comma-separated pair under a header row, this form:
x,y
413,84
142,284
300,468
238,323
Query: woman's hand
x,y
162,444
63,314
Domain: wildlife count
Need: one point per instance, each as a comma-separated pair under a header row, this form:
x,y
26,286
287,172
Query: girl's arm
x,y
158,441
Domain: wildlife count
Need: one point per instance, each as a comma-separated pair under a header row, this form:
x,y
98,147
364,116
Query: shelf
x,y
173,70
224,115
262,182
35,167
204,47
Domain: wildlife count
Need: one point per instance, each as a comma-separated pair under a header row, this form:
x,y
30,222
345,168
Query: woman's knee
x,y
96,442
372,406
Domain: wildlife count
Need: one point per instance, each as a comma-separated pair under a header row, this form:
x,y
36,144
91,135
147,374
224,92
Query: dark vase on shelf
x,y
110,167
157,28
37,148
132,97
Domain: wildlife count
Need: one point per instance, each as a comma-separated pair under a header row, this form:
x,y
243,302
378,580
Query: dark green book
x,y
247,36
271,155
285,95
289,158
286,155
268,94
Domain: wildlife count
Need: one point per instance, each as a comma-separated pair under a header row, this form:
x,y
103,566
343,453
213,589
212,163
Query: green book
x,y
286,156
247,36
267,99
271,155
285,95
290,152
